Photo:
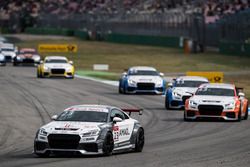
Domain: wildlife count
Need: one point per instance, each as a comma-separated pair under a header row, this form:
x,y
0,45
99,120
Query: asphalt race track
x,y
27,102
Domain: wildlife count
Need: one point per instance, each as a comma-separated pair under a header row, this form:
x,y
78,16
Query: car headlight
x,y
230,106
18,58
45,68
193,104
176,95
36,58
42,132
131,82
91,133
159,83
68,69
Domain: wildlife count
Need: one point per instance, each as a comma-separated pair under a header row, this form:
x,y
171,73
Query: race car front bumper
x,y
58,73
136,89
225,115
88,148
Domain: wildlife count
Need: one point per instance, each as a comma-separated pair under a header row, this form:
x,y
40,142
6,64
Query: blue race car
x,y
182,89
142,79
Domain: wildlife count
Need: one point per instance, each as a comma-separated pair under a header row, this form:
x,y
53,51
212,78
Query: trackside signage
x,y
72,48
214,77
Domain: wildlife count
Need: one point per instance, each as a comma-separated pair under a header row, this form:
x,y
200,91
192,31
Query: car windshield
x,y
83,116
183,83
56,61
7,49
143,72
215,91
28,52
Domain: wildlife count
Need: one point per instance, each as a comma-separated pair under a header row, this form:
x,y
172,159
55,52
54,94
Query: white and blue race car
x,y
181,89
142,79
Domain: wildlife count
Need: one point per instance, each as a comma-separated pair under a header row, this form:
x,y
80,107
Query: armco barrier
x,y
49,31
81,34
234,48
143,40
116,38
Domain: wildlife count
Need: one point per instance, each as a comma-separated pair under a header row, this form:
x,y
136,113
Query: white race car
x,y
142,80
181,89
9,51
90,129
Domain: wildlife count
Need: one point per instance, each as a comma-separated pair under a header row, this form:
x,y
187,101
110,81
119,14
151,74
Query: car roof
x,y
56,57
143,68
192,78
218,85
91,107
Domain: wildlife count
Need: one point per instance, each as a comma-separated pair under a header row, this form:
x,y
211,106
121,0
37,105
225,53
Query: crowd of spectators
x,y
213,9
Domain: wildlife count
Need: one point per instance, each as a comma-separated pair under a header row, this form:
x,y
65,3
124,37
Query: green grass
x,y
100,74
166,60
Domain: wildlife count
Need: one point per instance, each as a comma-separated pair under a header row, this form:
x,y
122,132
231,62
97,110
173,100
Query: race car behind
x,y
2,60
181,89
56,66
142,79
27,56
90,129
220,101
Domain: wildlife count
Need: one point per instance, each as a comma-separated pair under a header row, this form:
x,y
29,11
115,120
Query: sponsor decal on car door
x,y
122,131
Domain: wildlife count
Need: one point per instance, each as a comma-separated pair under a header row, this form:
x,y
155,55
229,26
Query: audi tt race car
x,y
217,101
142,80
90,129
27,56
8,50
2,60
55,66
181,89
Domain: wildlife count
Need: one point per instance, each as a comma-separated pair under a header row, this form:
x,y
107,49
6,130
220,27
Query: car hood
x,y
184,90
9,53
58,65
145,79
220,100
69,126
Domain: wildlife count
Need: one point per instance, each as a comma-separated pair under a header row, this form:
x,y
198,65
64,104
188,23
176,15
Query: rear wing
x,y
130,110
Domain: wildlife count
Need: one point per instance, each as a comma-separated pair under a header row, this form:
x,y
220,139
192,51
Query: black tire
x,y
167,102
119,88
140,140
15,64
246,114
108,144
239,116
184,117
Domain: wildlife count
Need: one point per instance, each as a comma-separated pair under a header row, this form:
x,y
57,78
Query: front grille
x,y
175,103
63,141
41,145
89,147
145,86
214,110
28,61
184,98
57,71
8,58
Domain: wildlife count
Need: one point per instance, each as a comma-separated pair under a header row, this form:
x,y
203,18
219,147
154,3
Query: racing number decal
x,y
116,133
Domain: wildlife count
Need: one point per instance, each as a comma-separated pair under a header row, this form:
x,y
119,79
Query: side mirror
x,y
41,62
71,62
117,119
241,94
54,117
170,84
161,74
